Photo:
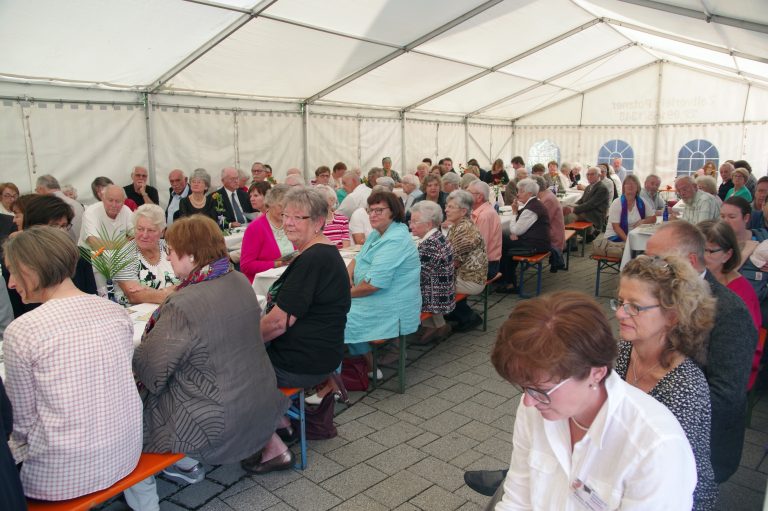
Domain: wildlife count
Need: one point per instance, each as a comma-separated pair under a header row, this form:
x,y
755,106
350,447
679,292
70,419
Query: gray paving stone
x,y
445,422
477,411
353,412
497,447
215,505
319,468
502,388
422,390
396,459
227,474
328,445
449,446
451,369
380,394
437,499
470,378
471,506
505,423
491,400
471,495
397,403
353,481
238,487
472,460
170,506
255,498
439,472
360,503
305,495
398,489
423,439
440,382
410,418
458,393
398,433
378,420
430,407
275,480
475,358
353,430
197,494
281,507
747,478
407,506
356,452
166,488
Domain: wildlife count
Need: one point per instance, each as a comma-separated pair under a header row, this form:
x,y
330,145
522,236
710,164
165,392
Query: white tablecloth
x,y
637,239
264,280
571,197
235,239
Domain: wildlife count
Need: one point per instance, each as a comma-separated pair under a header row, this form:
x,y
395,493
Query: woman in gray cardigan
x,y
211,389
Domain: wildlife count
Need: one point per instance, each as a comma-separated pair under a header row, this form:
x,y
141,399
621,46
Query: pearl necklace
x,y
576,423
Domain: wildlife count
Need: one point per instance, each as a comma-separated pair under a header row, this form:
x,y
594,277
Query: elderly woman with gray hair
x,y
470,259
149,278
197,202
336,225
265,244
528,232
437,272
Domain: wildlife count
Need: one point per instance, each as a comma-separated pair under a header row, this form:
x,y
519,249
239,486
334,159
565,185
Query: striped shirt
x,y
337,230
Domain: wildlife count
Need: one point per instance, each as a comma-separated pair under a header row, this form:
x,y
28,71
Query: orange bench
x,y
149,464
527,261
569,234
581,227
605,263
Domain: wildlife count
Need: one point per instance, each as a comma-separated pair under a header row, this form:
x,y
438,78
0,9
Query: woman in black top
x,y
197,202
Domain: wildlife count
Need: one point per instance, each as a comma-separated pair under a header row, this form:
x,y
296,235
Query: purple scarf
x,y
623,221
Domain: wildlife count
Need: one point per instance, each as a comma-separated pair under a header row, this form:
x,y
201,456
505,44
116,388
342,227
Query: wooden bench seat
x,y
605,264
527,261
149,465
581,227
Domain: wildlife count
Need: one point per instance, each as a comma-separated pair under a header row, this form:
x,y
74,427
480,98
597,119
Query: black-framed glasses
x,y
543,396
631,309
377,211
168,249
295,218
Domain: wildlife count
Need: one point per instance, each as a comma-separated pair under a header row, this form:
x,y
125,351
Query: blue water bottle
x,y
665,215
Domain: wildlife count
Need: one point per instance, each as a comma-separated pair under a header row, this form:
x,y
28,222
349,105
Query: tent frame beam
x,y
699,15
553,78
211,43
400,51
685,40
504,64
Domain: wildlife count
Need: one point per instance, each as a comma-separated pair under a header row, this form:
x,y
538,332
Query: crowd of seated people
x,y
422,237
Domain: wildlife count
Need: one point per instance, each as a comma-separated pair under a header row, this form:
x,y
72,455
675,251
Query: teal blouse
x,y
743,193
391,263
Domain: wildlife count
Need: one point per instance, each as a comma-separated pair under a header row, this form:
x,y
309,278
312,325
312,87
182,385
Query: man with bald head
x,y
236,201
179,189
139,191
110,217
730,347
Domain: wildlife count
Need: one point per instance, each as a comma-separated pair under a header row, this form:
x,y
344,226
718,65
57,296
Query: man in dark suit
x,y
593,205
236,201
731,348
139,191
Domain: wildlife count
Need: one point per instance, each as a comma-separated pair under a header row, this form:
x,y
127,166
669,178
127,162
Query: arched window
x,y
694,154
617,149
543,152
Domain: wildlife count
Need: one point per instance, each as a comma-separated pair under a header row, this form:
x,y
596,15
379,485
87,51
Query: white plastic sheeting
x,y
227,82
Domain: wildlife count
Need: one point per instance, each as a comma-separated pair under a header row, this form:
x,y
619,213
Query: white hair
x,y
294,180
386,182
410,179
151,212
329,193
528,185
430,212
481,187
452,178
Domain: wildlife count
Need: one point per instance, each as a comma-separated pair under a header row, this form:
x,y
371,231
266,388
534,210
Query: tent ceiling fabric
x,y
496,59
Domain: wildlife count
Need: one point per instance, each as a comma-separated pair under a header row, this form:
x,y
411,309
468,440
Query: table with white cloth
x,y
571,197
234,239
264,280
637,239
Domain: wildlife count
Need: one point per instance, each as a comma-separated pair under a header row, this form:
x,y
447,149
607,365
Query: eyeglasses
x,y
10,196
63,227
713,250
294,218
543,396
168,249
377,211
631,309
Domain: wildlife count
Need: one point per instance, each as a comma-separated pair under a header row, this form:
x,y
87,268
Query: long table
x,y
264,280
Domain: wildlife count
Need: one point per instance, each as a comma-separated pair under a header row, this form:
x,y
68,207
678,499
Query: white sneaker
x,y
379,375
193,475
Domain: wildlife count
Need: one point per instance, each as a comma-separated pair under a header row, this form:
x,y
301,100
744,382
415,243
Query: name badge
x,y
587,497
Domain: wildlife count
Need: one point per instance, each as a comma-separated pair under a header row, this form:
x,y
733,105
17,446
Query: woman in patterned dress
x,y
665,313
150,277
437,287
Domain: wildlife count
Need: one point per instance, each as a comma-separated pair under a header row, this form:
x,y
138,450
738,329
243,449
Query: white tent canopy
x,y
93,87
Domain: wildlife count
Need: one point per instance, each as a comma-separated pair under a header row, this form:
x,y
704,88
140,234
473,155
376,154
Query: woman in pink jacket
x,y
265,244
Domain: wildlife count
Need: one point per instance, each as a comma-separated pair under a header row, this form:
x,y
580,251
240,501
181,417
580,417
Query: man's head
x,y
139,176
761,192
678,238
98,185
258,172
480,192
593,175
294,180
552,168
652,184
113,199
565,168
229,178
422,169
447,165
410,183
686,188
350,180
526,189
518,162
538,169
339,169
616,163
46,184
386,163
520,173
428,161
178,181
451,182
726,169
603,170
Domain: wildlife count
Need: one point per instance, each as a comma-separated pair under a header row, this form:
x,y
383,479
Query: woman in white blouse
x,y
628,211
584,438
150,277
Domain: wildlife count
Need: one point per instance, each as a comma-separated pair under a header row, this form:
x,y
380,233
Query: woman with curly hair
x,y
665,312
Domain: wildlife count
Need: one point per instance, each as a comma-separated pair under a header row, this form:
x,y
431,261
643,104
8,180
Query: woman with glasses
x,y
305,314
665,312
583,438
722,256
385,279
52,211
265,244
9,192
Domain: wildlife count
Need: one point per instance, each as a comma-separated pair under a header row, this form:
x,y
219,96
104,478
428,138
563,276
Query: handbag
x,y
602,246
354,373
318,420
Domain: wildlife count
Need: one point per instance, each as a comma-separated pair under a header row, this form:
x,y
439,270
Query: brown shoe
x,y
281,462
427,334
442,333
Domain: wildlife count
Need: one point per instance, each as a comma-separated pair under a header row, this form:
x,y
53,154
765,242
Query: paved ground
x,y
409,452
